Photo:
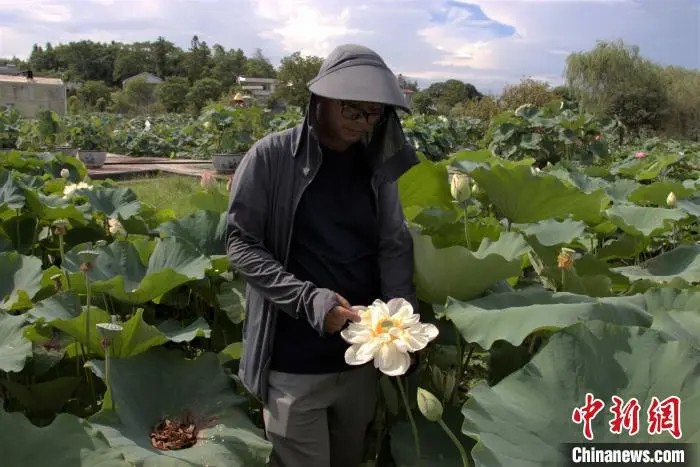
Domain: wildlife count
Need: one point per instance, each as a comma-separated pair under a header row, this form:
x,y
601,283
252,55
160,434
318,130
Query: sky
x,y
489,43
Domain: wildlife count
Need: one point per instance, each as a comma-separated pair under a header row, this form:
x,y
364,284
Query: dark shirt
x,y
334,245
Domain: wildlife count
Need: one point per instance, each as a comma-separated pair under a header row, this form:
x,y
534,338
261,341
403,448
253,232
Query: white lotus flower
x,y
115,227
65,173
70,190
387,333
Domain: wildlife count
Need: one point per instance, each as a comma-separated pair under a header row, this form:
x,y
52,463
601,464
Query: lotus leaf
x,y
463,274
681,262
159,383
120,272
524,419
512,316
14,347
547,196
647,221
68,442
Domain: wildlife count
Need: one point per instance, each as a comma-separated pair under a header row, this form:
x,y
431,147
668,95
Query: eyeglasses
x,y
352,112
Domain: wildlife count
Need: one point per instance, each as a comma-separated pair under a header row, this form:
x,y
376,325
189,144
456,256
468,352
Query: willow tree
x,y
613,79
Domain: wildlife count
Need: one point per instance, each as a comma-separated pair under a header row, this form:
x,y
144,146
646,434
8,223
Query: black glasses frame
x,y
350,111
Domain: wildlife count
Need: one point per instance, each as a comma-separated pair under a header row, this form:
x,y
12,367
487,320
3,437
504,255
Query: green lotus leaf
x,y
64,312
22,278
647,221
657,192
463,274
512,316
157,384
67,442
14,347
44,399
625,246
648,168
547,196
114,201
206,230
437,450
676,312
681,262
12,196
51,208
215,201
691,205
425,184
119,270
551,232
524,419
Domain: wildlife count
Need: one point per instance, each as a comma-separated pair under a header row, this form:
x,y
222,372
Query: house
x,y
259,88
150,78
29,95
10,69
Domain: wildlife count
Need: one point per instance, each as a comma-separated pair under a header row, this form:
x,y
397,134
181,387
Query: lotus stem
x,y
460,448
108,381
466,225
87,316
416,440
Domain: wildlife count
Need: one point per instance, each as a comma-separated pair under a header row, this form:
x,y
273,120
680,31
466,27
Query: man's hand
x,y
339,315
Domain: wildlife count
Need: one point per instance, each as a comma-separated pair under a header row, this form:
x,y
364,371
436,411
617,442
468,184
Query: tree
x,y
614,80
172,94
406,84
90,93
258,66
528,91
197,60
294,73
228,65
447,94
202,91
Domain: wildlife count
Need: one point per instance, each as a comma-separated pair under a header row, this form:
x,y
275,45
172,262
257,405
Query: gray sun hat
x,y
356,73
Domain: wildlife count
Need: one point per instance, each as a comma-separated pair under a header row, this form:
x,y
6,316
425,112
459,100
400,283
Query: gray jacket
x,y
266,189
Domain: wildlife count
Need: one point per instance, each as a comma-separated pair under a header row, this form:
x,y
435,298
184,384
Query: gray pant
x,y
320,420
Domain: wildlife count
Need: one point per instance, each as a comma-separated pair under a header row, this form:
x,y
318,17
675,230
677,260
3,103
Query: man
x,y
315,226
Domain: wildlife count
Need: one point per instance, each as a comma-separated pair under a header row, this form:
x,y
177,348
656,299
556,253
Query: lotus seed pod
x,y
429,405
671,199
460,188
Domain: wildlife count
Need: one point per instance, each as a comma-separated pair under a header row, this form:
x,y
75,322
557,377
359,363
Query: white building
x,y
29,95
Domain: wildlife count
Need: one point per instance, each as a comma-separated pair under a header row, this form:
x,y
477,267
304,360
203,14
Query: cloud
x,y
488,43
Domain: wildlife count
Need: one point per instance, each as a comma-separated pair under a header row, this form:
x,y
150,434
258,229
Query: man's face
x,y
349,121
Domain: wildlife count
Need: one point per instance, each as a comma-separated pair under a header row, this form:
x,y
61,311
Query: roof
x,y
35,80
256,80
150,77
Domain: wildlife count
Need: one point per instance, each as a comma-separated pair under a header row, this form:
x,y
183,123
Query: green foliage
x,y
294,73
91,92
172,94
201,92
614,79
528,91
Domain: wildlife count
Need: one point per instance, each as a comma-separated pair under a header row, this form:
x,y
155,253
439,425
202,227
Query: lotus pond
x,y
120,323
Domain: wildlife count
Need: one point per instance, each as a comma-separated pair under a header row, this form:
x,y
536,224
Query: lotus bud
x,y
460,188
450,384
565,260
640,155
476,190
671,200
65,173
429,405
